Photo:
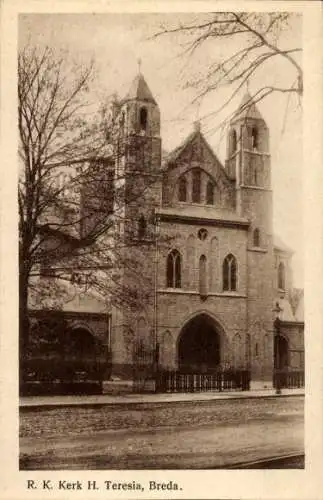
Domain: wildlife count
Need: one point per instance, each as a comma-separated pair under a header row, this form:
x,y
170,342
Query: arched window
x,y
203,287
196,186
182,189
281,276
256,238
233,141
142,227
229,273
174,269
210,193
254,138
143,118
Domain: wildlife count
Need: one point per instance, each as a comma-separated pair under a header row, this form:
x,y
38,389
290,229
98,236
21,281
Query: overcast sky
x,y
116,41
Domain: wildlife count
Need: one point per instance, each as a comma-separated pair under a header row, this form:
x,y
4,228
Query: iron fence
x,y
221,380
289,379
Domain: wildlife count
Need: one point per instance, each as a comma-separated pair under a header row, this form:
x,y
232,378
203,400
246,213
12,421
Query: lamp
x,y
277,310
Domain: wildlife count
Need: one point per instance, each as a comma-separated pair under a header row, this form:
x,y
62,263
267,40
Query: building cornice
x,y
179,291
203,221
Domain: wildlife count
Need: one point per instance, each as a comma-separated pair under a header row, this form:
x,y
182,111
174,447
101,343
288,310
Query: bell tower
x,y
248,163
138,174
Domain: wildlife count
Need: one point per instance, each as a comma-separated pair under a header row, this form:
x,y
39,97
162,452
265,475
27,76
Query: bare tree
x,y
256,41
71,196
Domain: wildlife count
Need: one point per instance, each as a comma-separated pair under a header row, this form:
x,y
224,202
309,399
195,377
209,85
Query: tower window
x,y
142,227
143,118
229,273
210,193
281,276
254,138
256,238
202,270
234,141
174,269
196,186
182,189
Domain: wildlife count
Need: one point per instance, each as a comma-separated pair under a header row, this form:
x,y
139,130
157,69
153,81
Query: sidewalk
x,y
132,398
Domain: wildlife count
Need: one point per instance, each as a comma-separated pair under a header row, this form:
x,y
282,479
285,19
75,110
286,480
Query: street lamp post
x,y
277,310
156,344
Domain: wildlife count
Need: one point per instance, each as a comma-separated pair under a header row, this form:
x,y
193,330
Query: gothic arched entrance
x,y
80,343
281,352
199,345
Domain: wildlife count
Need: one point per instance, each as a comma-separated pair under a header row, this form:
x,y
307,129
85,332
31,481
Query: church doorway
x,y
281,352
199,346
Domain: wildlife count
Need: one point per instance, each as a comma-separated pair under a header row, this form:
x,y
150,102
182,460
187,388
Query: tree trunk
x,y
23,322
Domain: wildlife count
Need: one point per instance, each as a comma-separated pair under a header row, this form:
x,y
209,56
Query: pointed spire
x,y
139,89
247,109
197,126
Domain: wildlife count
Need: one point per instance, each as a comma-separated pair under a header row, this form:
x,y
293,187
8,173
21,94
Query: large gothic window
x,y
203,287
143,118
196,186
210,193
174,269
281,276
182,189
229,273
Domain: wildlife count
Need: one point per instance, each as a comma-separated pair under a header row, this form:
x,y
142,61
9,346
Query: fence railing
x,y
289,379
145,361
224,380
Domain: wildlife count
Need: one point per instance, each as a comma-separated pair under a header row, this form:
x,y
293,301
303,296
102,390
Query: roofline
x,y
206,221
55,312
287,251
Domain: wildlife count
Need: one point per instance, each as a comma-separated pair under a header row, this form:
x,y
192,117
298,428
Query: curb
x,y
125,403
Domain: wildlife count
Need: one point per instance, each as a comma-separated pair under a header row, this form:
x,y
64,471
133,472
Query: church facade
x,y
213,285
218,283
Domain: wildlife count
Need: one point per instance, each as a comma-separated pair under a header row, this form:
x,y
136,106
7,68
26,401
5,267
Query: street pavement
x,y
145,435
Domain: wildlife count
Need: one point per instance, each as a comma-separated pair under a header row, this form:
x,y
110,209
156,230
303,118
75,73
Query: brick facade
x,y
242,203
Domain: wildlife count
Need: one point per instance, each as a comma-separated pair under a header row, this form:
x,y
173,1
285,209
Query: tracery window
x,y
174,269
229,273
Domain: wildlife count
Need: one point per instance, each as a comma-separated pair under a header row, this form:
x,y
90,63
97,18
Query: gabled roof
x,y
247,109
280,246
140,91
195,135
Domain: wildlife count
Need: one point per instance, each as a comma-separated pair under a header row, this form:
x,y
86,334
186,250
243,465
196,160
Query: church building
x,y
214,284
219,282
